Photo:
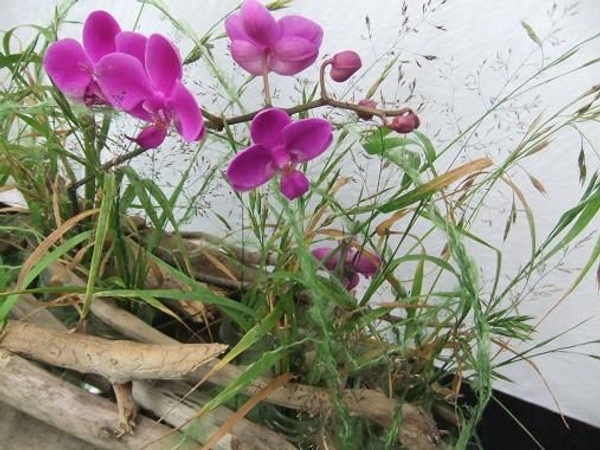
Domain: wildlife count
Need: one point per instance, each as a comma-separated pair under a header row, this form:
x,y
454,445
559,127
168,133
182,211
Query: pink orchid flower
x,y
71,65
152,91
352,263
261,44
280,144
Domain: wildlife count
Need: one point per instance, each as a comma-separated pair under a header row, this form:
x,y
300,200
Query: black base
x,y
499,431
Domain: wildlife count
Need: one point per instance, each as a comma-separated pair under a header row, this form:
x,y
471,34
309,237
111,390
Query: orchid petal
x,y
293,184
151,136
163,64
250,168
99,33
247,55
69,67
363,262
267,126
292,55
123,80
186,113
307,138
234,26
133,44
141,112
258,22
328,257
298,26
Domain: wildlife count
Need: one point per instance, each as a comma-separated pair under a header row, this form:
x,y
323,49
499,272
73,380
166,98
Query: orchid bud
x,y
368,103
150,137
405,123
363,262
344,65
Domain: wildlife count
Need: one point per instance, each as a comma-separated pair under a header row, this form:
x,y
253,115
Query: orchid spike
x,y
279,145
349,264
72,66
153,93
262,44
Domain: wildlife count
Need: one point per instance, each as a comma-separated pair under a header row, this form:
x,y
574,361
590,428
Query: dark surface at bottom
x,y
499,431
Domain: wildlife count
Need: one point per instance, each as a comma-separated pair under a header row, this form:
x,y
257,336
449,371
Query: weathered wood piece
x,y
118,361
164,398
31,389
418,431
173,401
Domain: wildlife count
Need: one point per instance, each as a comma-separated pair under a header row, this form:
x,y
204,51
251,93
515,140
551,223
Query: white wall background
x,y
481,45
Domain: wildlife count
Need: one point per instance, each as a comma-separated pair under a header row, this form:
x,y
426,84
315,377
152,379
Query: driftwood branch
x,y
241,253
118,361
418,430
176,405
32,310
126,407
30,389
206,263
169,399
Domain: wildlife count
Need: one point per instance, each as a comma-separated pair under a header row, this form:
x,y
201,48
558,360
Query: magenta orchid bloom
x,y
280,144
351,264
71,65
261,44
151,90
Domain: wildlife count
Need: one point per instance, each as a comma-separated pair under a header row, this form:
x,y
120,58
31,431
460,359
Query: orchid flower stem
x,y
267,90
265,77
217,123
322,87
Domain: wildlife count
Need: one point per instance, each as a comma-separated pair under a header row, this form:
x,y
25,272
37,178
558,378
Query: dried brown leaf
x,y
246,408
50,240
383,229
